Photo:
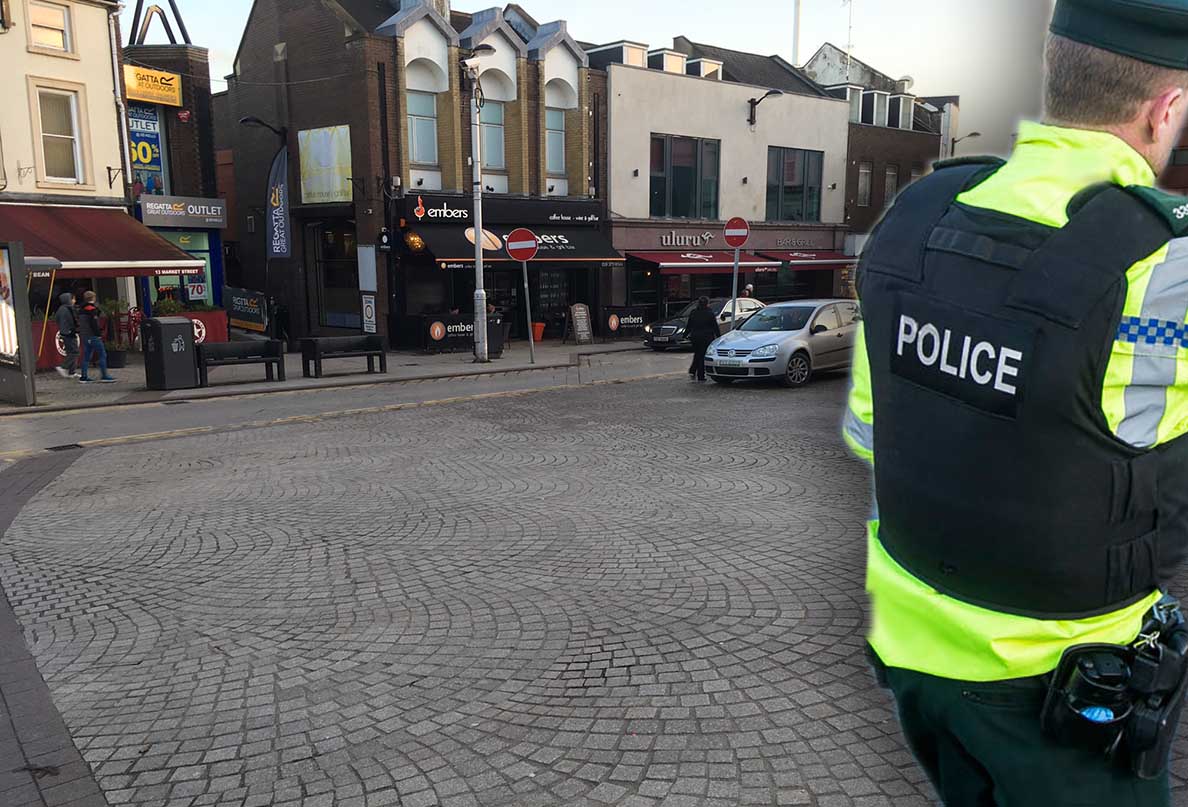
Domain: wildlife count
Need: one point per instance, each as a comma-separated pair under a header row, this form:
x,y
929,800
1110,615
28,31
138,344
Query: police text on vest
x,y
960,356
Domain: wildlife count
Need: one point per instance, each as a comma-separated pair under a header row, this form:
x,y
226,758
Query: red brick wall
x,y
882,146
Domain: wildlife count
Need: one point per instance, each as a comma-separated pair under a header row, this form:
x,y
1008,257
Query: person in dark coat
x,y
91,335
703,329
67,321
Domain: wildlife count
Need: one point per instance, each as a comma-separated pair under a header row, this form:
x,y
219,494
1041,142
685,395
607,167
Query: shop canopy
x,y
812,259
704,262
453,249
92,242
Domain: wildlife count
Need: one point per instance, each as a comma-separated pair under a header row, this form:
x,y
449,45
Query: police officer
x,y
1021,388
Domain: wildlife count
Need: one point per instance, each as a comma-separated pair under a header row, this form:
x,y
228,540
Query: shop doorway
x,y
332,257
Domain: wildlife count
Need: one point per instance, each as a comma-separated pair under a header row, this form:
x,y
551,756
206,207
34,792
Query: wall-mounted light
x,y
414,242
635,173
488,189
833,186
420,182
746,180
755,102
552,188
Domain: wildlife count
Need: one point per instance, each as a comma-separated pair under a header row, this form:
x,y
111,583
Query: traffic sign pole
x,y
737,232
734,293
528,316
522,245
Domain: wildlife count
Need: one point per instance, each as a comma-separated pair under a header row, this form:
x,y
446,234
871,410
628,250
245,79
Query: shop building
x,y
700,134
894,136
64,159
393,126
171,150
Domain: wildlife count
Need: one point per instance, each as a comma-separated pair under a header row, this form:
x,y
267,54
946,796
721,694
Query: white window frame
x,y
549,137
82,163
71,51
413,119
865,169
890,184
488,163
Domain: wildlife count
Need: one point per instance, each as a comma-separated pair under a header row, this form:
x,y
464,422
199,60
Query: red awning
x,y
93,242
704,262
812,259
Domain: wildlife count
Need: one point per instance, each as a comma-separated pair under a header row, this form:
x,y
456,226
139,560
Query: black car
x,y
671,332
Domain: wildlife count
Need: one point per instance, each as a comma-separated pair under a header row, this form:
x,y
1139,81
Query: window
x,y
491,121
422,128
794,184
855,104
891,185
827,317
917,172
61,157
555,142
1180,157
864,173
849,314
684,177
49,27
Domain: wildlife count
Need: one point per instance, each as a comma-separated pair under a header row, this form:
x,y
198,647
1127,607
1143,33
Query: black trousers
x,y
697,367
981,745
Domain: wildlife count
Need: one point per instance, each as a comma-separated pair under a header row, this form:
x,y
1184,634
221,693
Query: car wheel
x,y
717,379
799,370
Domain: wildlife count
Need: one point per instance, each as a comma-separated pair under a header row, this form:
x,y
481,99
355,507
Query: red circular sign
x,y
613,322
522,244
437,331
737,232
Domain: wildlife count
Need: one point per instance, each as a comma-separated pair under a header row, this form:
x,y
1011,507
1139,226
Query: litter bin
x,y
494,336
169,360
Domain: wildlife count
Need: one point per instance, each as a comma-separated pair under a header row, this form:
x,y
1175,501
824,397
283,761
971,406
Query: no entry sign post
x,y
522,245
737,232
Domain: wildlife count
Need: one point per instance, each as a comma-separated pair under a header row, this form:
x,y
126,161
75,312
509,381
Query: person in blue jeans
x,y
91,336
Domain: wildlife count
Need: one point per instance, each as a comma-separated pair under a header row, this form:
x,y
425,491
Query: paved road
x,y
644,594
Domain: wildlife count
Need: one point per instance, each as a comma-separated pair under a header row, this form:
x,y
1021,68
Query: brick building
x,y
894,136
374,104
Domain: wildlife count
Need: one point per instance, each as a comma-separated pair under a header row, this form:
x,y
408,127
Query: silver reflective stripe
x,y
861,433
1166,300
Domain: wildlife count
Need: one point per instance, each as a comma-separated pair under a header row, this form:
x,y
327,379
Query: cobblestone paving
x,y
644,594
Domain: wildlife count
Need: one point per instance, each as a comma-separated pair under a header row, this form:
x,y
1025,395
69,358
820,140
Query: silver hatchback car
x,y
787,342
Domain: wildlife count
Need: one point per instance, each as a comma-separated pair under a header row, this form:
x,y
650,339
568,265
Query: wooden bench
x,y
222,354
315,350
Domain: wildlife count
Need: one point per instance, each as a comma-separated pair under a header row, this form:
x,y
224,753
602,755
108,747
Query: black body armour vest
x,y
998,480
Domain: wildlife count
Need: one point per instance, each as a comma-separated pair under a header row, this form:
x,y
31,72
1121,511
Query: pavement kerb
x,y
575,360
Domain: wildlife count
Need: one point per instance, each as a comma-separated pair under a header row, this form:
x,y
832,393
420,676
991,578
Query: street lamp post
x,y
283,135
953,145
480,294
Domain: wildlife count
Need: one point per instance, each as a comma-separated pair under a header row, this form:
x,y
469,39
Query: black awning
x,y
452,247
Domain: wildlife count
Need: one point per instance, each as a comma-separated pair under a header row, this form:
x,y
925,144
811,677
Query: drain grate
x,y
66,447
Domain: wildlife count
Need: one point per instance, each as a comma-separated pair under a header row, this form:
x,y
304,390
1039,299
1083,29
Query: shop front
x,y
193,225
435,274
669,264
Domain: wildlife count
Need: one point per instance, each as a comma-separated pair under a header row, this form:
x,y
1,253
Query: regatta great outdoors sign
x,y
183,211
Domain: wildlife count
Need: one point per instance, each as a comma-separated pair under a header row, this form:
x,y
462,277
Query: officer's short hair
x,y
1094,87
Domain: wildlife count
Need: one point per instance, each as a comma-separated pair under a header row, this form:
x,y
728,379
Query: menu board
x,y
579,317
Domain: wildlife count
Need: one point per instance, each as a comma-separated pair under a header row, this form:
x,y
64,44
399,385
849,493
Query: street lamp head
x,y
471,62
252,120
755,102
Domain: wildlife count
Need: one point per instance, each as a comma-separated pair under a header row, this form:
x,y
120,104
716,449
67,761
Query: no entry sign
x,y
737,232
522,244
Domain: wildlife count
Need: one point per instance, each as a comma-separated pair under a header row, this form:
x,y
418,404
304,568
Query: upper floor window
x,y
865,170
917,172
684,177
49,27
890,184
794,184
61,150
491,122
422,128
555,141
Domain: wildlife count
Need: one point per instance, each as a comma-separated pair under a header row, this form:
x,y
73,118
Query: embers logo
x,y
437,331
443,212
419,212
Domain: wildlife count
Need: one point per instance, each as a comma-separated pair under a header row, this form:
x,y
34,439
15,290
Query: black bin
x,y
169,359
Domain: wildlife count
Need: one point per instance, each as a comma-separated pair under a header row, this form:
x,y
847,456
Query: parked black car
x,y
671,332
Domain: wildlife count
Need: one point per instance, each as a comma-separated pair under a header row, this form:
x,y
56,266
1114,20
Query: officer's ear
x,y
1165,115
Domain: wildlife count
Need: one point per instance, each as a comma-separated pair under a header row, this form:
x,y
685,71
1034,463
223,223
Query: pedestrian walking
x,y
91,335
1015,388
66,318
703,329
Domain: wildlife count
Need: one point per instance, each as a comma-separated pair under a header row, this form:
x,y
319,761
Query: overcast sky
x,y
986,51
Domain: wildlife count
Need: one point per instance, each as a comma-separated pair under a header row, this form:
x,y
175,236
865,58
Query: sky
x,y
986,51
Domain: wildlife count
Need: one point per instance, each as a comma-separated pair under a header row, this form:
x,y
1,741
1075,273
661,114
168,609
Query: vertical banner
x,y
146,147
8,324
279,229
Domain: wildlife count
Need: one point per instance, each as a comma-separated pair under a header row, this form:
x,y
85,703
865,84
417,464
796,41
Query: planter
x,y
116,359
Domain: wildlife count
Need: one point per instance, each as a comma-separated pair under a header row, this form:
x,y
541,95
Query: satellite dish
x,y
908,82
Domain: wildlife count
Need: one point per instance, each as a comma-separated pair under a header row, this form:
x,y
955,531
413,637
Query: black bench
x,y
221,354
316,349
